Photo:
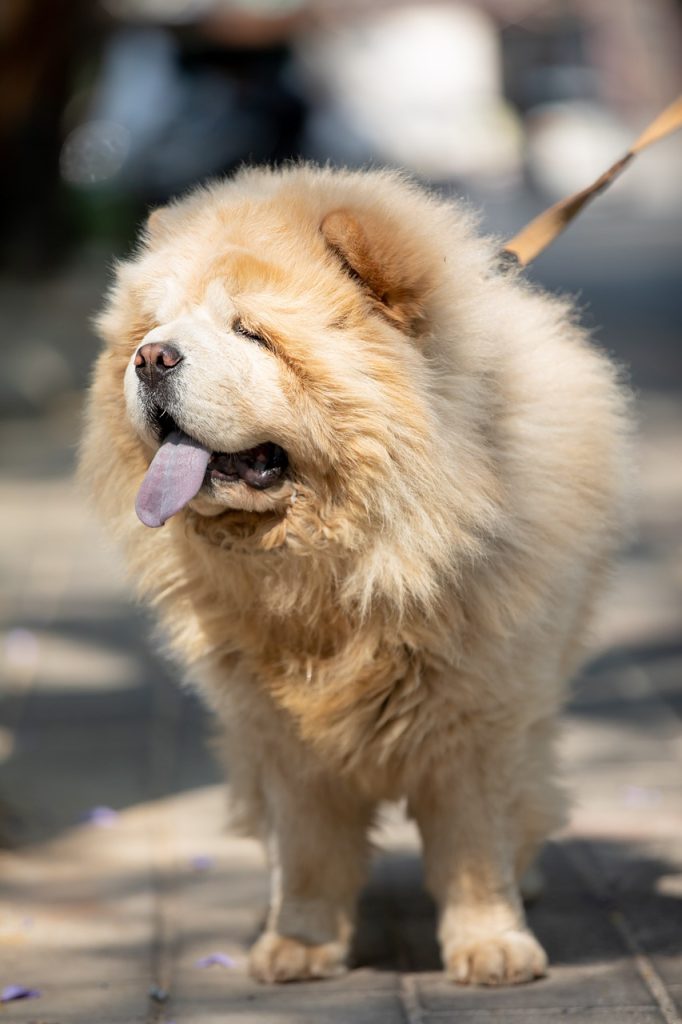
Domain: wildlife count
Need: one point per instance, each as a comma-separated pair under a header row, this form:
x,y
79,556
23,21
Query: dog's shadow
x,y
588,886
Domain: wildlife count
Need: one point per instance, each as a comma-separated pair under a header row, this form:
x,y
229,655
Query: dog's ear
x,y
157,224
372,254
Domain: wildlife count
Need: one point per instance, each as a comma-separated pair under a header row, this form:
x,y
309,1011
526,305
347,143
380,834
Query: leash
x,y
530,241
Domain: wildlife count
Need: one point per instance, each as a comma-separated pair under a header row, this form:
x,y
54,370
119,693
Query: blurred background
x,y
110,107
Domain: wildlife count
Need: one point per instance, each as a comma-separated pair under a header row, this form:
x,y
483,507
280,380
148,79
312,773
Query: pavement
x,y
117,876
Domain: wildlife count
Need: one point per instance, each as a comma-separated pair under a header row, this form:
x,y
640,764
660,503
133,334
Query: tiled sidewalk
x,y
103,915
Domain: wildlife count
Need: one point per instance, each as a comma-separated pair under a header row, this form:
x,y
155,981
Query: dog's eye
x,y
240,328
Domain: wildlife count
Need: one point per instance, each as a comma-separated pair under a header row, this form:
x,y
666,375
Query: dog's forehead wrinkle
x,y
217,300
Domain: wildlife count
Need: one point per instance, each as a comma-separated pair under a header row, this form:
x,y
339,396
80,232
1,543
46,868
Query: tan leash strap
x,y
541,232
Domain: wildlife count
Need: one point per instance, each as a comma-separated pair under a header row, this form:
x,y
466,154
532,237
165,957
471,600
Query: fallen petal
x,y
21,648
202,862
103,816
12,992
221,959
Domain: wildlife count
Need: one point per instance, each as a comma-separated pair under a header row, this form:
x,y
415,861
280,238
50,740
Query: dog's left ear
x,y
158,223
371,252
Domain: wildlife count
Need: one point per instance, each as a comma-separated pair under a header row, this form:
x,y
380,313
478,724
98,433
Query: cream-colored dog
x,y
391,481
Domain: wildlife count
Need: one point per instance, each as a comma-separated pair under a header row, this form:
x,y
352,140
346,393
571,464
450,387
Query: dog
x,y
372,487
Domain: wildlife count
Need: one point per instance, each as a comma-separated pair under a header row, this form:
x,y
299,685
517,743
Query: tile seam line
x,y
161,837
492,1013
643,963
646,969
409,1000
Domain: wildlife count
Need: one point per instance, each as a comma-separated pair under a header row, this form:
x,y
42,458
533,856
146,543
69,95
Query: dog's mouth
x,y
183,465
259,467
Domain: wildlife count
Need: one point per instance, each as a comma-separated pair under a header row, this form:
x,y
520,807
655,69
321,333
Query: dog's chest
x,y
379,715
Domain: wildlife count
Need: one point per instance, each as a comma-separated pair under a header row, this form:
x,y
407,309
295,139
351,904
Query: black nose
x,y
154,361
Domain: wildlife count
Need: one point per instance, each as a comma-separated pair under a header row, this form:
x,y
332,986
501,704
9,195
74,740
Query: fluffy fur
x,y
399,616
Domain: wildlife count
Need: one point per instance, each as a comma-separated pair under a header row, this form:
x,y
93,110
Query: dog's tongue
x,y
173,478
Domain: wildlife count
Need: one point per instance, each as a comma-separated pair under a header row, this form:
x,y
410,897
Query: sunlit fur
x,y
399,618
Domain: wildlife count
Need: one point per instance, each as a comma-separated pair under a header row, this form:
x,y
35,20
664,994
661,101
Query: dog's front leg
x,y
318,851
465,816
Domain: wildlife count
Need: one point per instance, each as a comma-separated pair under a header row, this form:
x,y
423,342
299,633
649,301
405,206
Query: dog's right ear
x,y
370,252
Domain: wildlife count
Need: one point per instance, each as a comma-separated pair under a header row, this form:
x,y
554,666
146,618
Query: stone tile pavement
x,y
104,916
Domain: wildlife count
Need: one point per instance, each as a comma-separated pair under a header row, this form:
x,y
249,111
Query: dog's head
x,y
268,357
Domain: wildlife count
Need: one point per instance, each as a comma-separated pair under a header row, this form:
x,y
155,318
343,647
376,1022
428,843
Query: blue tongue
x,y
174,477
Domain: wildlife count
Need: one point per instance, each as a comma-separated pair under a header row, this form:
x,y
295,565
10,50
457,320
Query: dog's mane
x,y
443,488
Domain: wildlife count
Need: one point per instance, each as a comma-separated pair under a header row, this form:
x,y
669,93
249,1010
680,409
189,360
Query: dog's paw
x,y
509,958
276,958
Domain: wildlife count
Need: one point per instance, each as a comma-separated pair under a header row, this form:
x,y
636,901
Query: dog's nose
x,y
155,360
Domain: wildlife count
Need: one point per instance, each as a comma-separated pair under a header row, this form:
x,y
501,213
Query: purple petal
x,y
221,959
12,992
642,796
102,816
202,862
22,648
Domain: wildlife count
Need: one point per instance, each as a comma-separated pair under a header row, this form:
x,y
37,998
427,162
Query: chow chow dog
x,y
371,486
